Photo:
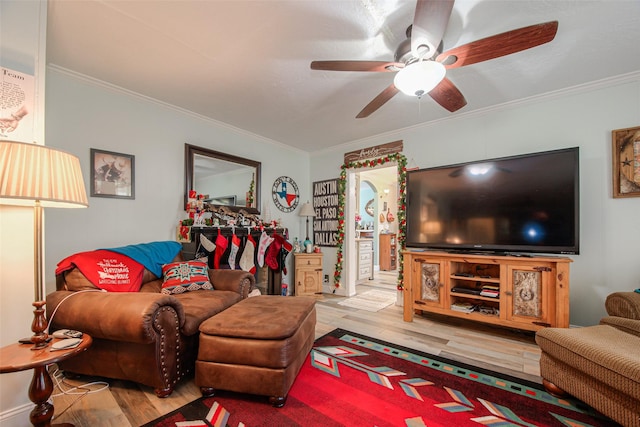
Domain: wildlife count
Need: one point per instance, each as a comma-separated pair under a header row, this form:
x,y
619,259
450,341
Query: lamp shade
x,y
419,78
31,173
307,210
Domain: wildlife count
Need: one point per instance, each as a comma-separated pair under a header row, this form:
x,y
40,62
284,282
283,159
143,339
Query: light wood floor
x,y
515,353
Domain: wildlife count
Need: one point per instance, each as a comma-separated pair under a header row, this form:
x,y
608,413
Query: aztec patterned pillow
x,y
186,276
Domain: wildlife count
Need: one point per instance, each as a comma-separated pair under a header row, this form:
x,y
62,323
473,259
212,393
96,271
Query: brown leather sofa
x,y
146,337
600,364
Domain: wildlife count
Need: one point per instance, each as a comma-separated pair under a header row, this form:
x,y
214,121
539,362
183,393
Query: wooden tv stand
x,y
520,292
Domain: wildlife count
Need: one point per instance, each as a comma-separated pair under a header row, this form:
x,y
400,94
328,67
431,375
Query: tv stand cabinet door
x,y
426,283
530,295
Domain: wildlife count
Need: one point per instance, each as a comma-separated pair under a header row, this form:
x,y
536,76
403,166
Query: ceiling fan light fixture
x,y
419,78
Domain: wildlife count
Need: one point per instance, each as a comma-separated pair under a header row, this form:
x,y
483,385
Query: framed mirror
x,y
224,179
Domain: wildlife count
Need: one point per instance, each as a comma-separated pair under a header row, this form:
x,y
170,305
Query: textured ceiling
x,y
246,63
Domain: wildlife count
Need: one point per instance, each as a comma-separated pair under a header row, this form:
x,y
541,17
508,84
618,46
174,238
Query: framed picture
x,y
626,162
112,174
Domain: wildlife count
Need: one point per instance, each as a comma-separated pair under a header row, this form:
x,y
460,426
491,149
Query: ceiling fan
x,y
420,65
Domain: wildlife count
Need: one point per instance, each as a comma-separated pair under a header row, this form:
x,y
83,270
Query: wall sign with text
x,y
325,204
17,104
371,152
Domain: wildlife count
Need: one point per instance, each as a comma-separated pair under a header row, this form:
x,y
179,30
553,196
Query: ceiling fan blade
x,y
378,101
499,45
356,66
448,95
429,23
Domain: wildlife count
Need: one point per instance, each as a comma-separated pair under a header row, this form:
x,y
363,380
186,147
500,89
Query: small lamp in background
x,y
308,211
38,176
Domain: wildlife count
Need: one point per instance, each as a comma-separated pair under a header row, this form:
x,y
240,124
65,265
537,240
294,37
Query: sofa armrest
x,y
630,326
118,316
624,304
237,281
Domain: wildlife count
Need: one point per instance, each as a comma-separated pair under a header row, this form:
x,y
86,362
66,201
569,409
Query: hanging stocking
x,y
221,246
207,244
286,248
273,253
205,249
235,246
286,245
265,241
248,254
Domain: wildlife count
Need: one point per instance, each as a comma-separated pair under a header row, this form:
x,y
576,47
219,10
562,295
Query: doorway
x,y
372,201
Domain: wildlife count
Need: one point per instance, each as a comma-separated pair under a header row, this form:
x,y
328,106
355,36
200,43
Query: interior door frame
x,y
346,202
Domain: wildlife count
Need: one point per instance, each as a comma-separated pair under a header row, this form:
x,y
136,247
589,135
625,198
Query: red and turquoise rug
x,y
352,380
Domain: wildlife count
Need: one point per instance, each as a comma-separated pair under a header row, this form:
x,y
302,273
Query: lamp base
x,y
39,326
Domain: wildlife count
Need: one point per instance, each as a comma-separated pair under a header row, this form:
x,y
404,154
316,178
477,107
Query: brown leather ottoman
x,y
256,346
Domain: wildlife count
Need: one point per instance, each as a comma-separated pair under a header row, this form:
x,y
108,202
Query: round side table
x,y
19,357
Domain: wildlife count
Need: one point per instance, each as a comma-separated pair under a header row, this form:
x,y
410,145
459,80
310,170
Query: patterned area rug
x,y
373,300
351,380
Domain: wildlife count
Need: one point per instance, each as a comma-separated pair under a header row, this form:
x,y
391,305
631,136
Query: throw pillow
x,y
187,276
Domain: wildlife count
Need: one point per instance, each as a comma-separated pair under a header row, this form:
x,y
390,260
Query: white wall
x,y
583,117
83,113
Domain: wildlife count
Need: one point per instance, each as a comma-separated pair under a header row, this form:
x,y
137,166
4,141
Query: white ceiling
x,y
246,63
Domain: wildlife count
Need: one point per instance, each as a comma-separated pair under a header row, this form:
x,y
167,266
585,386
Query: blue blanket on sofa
x,y
152,255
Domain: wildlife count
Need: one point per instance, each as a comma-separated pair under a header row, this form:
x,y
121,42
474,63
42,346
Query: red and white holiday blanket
x,y
107,270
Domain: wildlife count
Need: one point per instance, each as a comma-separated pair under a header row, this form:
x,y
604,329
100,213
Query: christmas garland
x,y
401,161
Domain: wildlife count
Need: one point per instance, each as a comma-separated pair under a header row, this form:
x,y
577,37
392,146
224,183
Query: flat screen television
x,y
515,205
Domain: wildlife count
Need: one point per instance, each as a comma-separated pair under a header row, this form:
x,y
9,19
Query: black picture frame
x,y
112,174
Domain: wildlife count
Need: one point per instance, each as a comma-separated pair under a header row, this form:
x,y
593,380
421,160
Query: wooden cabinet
x,y
364,248
388,252
308,273
426,274
526,293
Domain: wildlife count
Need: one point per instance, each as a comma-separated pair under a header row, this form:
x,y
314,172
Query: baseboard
x,y
16,417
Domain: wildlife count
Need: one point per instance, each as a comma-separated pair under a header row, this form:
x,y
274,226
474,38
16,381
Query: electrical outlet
x,y
326,278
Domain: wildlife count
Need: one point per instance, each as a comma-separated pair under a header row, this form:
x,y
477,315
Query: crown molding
x,y
118,89
572,90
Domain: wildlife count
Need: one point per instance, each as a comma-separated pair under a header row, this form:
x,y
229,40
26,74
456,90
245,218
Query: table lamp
x,y
39,176
308,211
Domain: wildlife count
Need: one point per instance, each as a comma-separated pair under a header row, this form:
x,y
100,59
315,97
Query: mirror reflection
x,y
223,179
